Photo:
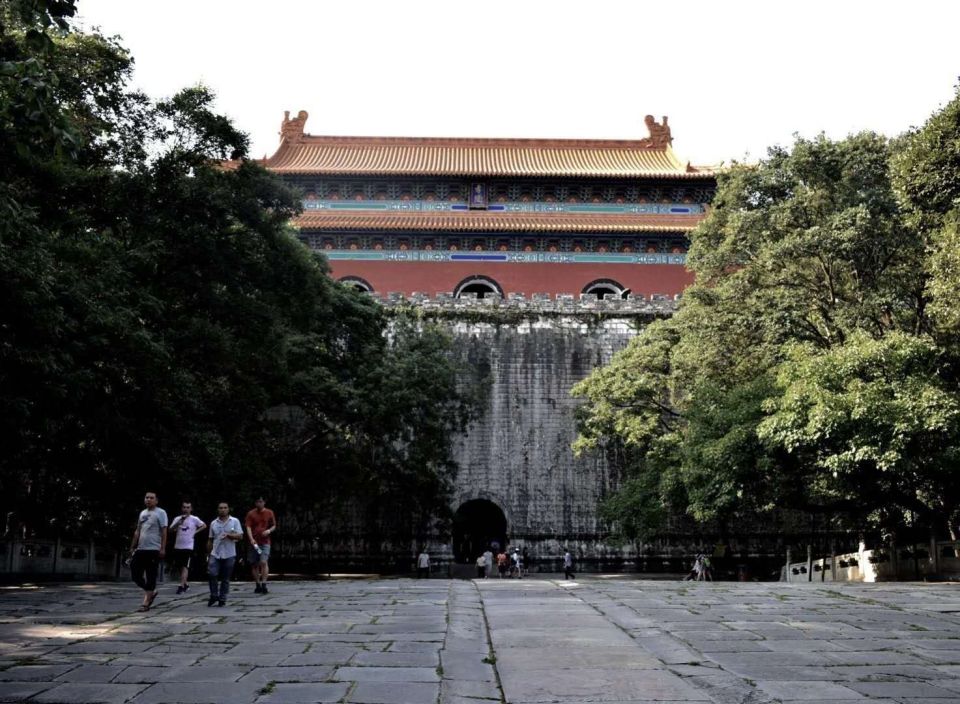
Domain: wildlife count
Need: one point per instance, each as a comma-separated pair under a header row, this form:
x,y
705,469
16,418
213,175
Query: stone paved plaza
x,y
401,641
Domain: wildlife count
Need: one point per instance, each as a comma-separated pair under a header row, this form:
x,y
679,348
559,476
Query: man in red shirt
x,y
260,524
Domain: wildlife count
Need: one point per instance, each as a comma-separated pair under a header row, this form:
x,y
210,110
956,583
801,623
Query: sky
x,y
734,77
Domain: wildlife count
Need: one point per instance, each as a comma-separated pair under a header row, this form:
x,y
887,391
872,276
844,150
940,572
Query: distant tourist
x,y
423,563
260,523
225,531
488,562
149,545
695,570
706,569
481,567
185,527
517,567
525,557
568,565
503,564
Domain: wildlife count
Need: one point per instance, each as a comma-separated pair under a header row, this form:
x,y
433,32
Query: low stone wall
x,y
537,304
934,560
57,559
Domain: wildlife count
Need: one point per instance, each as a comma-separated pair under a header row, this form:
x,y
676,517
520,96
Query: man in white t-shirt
x,y
225,531
185,527
423,563
149,545
488,559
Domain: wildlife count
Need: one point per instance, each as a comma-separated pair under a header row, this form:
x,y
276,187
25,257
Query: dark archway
x,y
480,285
606,288
476,525
357,284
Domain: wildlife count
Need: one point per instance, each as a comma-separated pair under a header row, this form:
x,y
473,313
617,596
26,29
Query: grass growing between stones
x,y
267,688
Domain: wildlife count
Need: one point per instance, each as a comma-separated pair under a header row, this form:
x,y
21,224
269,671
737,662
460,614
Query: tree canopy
x,y
160,325
814,362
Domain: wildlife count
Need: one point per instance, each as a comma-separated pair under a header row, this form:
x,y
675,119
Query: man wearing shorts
x,y
148,546
260,523
185,527
225,532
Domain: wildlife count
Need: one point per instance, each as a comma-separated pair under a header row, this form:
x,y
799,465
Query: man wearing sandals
x,y
149,545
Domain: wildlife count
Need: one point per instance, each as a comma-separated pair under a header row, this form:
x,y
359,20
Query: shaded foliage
x,y
157,315
813,364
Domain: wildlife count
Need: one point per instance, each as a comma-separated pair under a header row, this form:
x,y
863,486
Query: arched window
x,y
357,283
480,285
606,288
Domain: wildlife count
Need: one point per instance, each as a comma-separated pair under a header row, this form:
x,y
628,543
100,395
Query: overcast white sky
x,y
734,77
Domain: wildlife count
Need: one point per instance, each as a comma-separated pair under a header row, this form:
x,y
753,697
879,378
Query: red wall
x,y
432,278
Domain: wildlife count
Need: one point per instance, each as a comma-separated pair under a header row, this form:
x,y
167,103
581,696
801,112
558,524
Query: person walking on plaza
x,y
706,573
225,531
525,557
260,523
503,563
488,562
481,567
423,563
185,528
517,563
149,545
568,565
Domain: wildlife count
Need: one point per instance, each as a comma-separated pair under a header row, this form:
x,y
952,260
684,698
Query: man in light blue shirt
x,y
225,531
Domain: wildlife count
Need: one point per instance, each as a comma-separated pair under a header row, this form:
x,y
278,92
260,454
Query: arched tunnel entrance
x,y
476,525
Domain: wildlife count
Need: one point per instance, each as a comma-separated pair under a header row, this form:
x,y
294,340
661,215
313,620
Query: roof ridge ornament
x,y
291,130
660,137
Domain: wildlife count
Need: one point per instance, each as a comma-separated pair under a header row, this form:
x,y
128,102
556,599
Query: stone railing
x,y
538,303
57,559
936,560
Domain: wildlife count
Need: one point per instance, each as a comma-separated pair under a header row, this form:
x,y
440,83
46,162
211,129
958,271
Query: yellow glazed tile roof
x,y
301,153
484,221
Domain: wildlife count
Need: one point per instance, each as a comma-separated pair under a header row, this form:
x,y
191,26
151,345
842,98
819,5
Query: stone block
x,y
394,693
304,693
386,674
86,693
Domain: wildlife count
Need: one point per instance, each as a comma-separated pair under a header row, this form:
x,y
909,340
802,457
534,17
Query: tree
x,y
157,313
877,420
804,369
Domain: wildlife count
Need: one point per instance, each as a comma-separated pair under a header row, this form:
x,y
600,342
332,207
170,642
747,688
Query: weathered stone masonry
x,y
518,454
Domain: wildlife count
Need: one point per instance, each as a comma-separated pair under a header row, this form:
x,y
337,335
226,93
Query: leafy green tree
x,y
877,419
158,315
803,368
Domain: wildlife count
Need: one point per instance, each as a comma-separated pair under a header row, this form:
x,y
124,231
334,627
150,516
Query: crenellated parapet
x,y
586,304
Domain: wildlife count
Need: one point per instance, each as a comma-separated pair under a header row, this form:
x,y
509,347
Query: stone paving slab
x,y
400,641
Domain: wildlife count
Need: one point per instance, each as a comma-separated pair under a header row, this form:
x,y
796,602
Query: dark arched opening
x,y
477,525
480,285
606,288
357,284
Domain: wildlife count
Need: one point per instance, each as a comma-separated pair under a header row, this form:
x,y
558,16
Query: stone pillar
x,y
809,562
934,554
786,570
56,554
833,560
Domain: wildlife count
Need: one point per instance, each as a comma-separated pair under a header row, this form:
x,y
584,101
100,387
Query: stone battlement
x,y
538,303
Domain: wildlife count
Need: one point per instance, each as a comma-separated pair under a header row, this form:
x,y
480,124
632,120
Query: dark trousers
x,y
568,572
143,569
220,570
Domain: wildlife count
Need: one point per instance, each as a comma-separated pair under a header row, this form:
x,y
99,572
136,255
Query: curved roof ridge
x,y
301,153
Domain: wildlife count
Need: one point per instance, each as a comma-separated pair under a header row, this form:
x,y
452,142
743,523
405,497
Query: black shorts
x,y
181,558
